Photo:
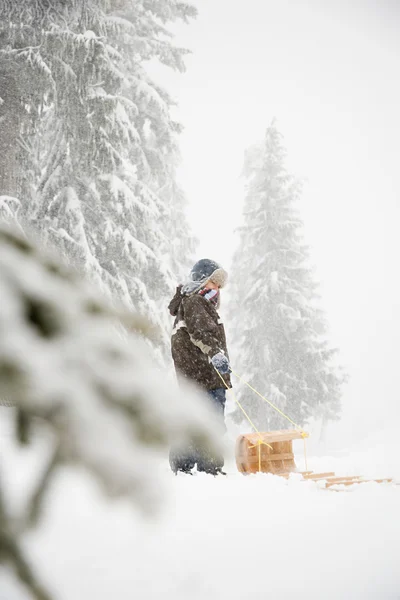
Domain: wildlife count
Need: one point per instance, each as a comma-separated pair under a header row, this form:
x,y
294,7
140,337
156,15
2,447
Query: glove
x,y
221,363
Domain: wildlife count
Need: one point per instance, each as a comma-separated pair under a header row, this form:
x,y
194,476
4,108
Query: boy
x,y
199,352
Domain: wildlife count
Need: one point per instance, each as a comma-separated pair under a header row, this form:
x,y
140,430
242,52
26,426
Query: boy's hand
x,y
221,363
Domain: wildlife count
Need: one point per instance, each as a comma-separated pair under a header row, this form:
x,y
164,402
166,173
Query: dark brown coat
x,y
198,334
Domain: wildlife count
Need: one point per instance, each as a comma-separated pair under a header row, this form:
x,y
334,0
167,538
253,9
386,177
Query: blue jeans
x,y
184,459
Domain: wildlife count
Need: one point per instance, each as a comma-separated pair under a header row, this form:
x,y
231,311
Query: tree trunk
x,y
10,123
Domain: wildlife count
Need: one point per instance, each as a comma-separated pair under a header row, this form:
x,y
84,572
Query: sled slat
x,y
304,474
283,435
343,478
355,481
316,476
271,457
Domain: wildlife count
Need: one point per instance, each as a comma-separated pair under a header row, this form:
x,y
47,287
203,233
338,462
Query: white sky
x,y
329,72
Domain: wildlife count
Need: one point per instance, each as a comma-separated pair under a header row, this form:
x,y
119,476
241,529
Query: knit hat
x,y
205,270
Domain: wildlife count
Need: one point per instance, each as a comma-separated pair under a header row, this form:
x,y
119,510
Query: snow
x,y
211,538
9,207
98,393
217,538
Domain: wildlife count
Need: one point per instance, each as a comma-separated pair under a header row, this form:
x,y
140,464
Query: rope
x,y
304,434
260,441
305,453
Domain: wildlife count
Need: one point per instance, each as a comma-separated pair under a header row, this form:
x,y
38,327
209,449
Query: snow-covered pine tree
x,y
181,245
278,332
159,133
94,112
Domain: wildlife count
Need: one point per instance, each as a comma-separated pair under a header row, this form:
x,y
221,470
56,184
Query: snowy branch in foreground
x,y
76,380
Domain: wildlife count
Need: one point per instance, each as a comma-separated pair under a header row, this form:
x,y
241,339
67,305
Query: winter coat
x,y
198,334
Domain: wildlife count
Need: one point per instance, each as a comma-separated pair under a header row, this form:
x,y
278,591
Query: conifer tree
x,y
278,331
95,136
179,243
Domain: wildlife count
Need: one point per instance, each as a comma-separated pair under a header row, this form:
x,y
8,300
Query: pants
x,y
184,459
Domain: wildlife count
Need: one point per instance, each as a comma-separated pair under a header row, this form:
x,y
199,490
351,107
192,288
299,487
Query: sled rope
x,y
260,441
304,434
305,451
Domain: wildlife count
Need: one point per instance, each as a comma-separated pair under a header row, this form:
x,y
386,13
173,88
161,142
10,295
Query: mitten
x,y
221,363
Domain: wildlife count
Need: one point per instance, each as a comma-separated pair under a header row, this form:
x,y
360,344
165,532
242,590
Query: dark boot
x,y
216,472
182,459
209,461
186,471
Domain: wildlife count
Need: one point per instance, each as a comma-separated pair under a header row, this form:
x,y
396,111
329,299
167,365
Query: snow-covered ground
x,y
221,538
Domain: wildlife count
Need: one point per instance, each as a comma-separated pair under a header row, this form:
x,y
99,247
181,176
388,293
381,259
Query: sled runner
x,y
331,479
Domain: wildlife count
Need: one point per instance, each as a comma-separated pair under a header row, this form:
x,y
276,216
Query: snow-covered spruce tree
x,y
159,154
179,242
84,397
278,331
181,245
103,135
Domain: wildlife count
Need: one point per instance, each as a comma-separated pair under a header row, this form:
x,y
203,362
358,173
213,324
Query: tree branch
x,y
11,552
35,505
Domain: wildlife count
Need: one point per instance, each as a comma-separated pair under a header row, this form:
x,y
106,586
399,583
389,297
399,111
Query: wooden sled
x,y
268,452
272,452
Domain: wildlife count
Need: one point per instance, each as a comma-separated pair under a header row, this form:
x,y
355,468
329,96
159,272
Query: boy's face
x,y
211,286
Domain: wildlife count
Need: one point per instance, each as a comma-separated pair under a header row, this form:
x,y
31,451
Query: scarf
x,y
210,295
